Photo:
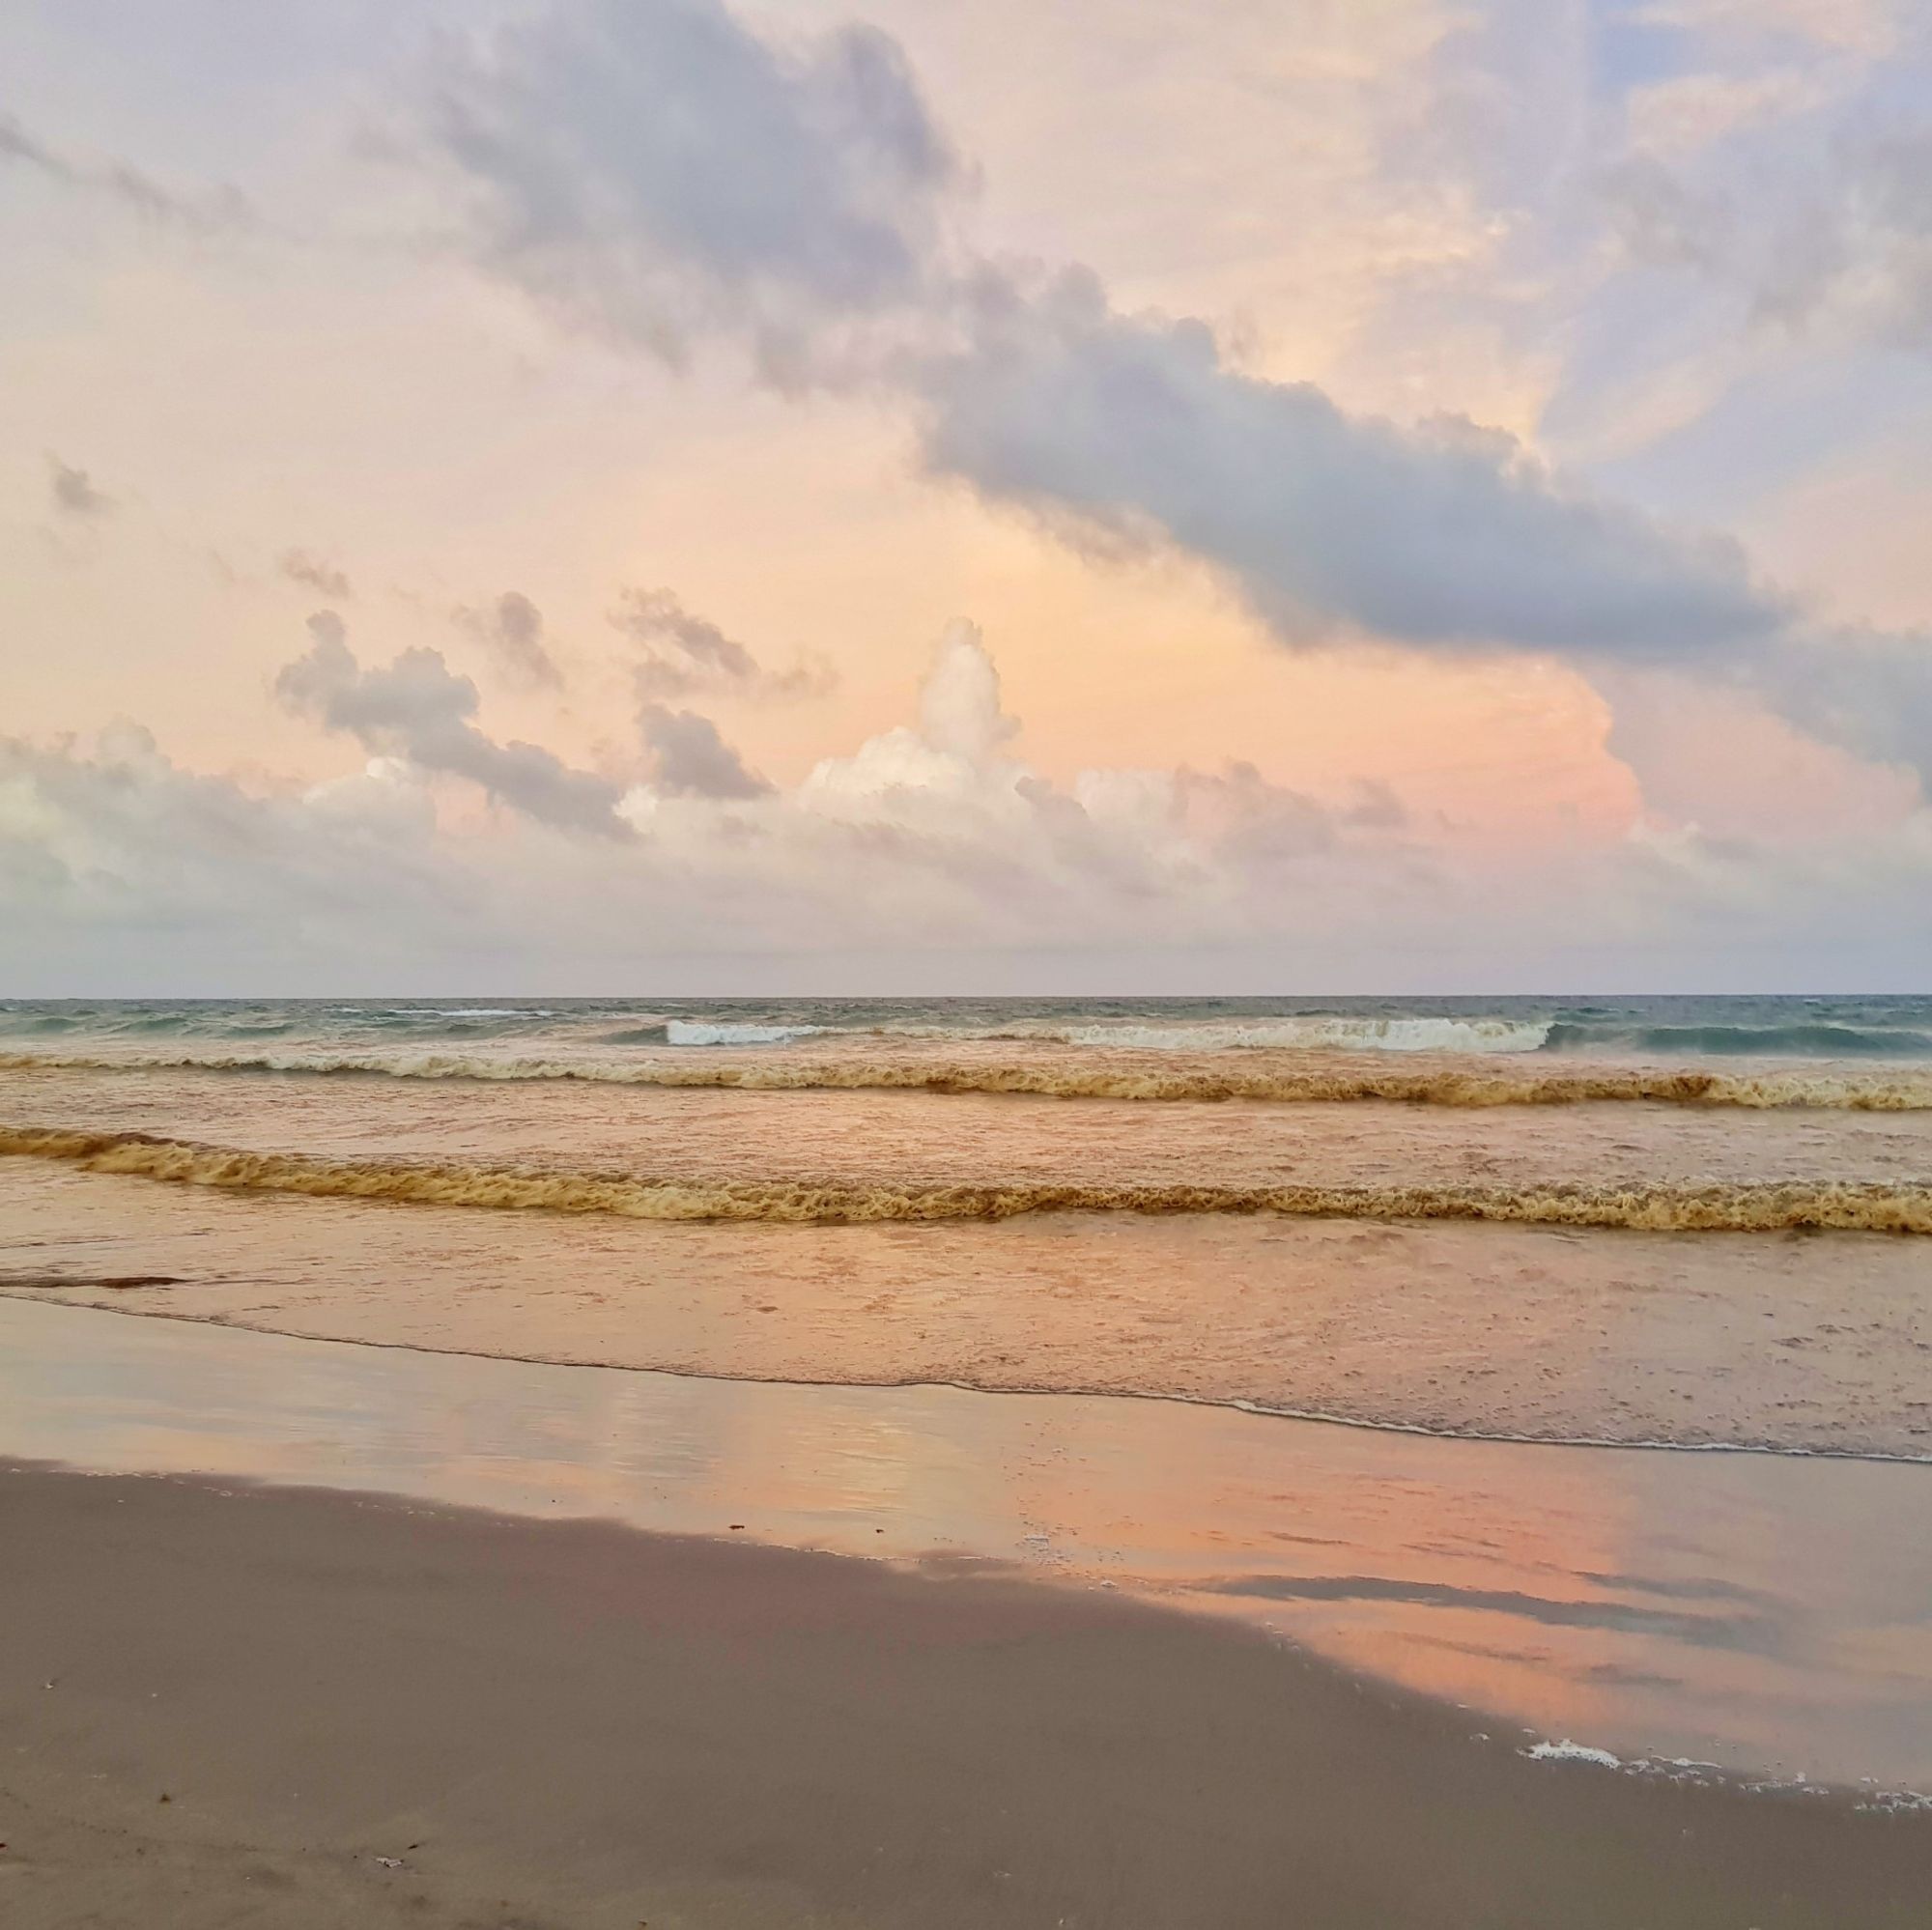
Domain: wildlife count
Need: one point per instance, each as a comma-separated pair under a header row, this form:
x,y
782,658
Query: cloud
x,y
1688,113
1120,430
417,710
688,758
621,156
961,709
1861,26
116,182
1722,763
1844,250
1867,690
316,573
681,652
115,853
1441,537
657,171
1791,168
930,857
512,628
75,491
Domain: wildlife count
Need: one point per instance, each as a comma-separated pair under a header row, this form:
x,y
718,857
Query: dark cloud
x,y
681,652
1376,807
75,491
1870,690
685,651
117,182
1442,537
688,758
623,148
415,709
316,573
656,170
512,628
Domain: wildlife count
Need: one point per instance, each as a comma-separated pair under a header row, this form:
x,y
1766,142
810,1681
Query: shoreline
x,y
685,1730
1466,1331
1767,1614
38,1292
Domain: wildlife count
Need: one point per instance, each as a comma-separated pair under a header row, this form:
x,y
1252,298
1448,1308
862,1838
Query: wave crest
x,y
692,1032
1436,1086
1877,1207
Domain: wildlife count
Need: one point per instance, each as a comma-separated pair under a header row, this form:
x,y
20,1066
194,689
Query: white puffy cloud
x,y
960,708
931,857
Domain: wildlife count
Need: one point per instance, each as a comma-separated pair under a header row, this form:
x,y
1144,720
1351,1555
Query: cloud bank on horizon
x,y
693,190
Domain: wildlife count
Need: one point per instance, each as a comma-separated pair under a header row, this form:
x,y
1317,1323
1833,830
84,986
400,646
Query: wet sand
x,y
577,1724
1766,1614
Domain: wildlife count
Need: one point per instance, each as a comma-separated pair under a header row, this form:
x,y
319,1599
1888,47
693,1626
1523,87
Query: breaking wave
x,y
690,1032
1884,1206
1515,1085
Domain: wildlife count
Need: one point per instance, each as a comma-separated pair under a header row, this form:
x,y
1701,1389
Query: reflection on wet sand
x,y
1573,1591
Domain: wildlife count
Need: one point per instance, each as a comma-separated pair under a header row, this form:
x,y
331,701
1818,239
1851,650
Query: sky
x,y
648,496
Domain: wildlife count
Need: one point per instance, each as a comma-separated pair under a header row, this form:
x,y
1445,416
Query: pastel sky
x,y
641,496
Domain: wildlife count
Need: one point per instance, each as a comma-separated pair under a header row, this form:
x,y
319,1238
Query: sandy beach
x,y
250,1706
964,966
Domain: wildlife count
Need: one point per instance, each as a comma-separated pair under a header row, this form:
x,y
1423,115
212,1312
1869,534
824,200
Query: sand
x,y
255,1706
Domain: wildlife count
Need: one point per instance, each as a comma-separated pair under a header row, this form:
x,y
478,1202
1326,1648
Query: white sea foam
x,y
691,1032
1333,1034
1105,1076
1872,1206
1567,1752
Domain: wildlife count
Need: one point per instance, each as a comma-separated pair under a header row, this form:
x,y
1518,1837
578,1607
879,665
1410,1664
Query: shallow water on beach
x,y
1493,1219
1769,1617
1694,1223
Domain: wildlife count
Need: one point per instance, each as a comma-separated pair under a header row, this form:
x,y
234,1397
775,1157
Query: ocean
x,y
1690,1220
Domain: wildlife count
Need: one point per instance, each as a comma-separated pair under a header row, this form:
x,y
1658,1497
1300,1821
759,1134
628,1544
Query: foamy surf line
x,y
1309,1084
1778,1207
1685,1769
